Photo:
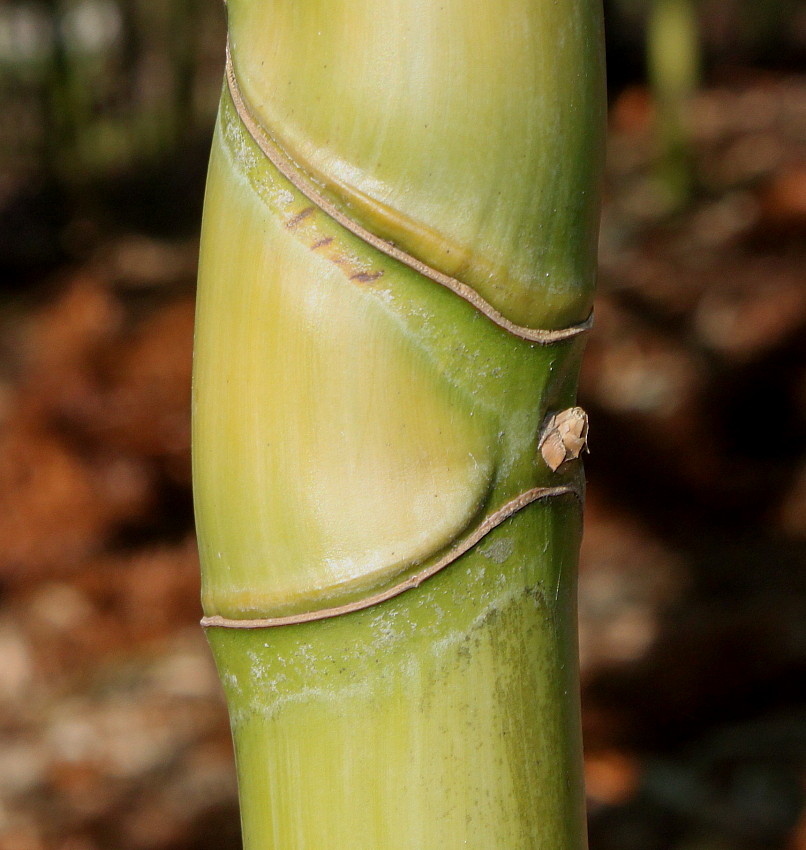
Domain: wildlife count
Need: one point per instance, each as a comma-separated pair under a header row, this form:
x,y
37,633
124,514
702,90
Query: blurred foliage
x,y
109,82
107,108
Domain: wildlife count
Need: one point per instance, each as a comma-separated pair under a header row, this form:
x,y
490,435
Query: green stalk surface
x,y
356,422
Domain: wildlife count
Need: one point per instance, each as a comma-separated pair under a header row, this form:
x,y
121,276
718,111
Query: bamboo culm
x,y
396,276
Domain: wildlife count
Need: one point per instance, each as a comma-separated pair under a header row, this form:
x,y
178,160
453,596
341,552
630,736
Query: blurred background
x,y
113,732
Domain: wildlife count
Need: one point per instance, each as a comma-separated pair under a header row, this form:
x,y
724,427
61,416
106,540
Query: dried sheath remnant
x,y
564,437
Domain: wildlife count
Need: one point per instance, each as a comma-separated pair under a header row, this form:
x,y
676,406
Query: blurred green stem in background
x,y
673,62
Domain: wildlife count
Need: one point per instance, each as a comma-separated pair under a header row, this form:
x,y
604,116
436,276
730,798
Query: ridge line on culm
x,y
294,174
493,521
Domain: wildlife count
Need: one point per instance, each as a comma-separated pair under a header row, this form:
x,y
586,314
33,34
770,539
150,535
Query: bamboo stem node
x,y
294,173
492,521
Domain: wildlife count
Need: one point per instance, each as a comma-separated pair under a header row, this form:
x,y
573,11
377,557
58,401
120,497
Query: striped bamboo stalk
x,y
397,265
